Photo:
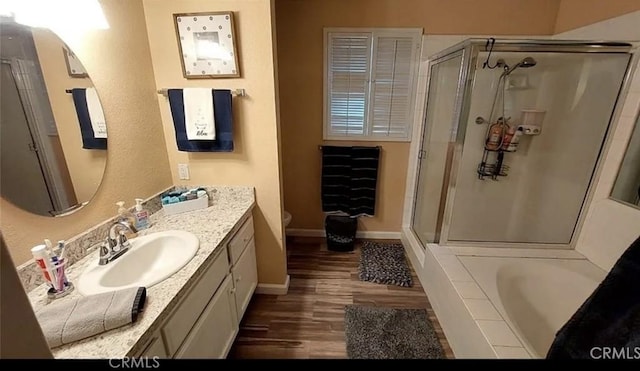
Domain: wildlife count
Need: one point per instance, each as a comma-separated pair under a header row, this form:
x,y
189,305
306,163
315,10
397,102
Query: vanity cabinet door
x,y
214,332
155,349
182,321
245,277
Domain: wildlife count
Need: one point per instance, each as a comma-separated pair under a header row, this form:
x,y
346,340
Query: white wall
x,y
610,227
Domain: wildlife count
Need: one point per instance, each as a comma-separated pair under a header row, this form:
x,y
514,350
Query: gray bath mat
x,y
384,263
387,333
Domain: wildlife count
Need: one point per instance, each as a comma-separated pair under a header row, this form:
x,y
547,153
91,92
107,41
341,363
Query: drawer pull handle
x,y
232,291
239,278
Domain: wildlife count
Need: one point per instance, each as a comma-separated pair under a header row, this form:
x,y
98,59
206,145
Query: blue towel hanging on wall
x,y
223,118
86,130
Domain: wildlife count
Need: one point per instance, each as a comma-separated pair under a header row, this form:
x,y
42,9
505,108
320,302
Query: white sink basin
x,y
150,260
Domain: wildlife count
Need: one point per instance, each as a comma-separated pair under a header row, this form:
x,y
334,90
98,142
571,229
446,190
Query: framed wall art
x,y
207,45
74,67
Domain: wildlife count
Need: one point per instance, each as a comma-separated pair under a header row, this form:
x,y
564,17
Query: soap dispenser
x,y
124,214
141,215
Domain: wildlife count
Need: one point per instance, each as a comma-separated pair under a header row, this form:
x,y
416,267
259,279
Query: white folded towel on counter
x,y
71,320
198,114
98,123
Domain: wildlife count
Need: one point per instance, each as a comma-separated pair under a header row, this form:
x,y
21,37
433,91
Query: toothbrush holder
x,y
60,286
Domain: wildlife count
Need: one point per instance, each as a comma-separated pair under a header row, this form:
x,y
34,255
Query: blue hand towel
x,y
223,118
86,130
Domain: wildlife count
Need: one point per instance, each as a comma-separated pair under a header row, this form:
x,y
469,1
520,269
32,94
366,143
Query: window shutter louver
x,y
369,81
348,83
392,87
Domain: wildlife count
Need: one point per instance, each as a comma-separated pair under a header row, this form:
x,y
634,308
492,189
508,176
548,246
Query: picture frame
x,y
74,67
207,45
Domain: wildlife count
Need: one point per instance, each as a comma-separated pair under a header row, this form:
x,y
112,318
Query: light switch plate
x,y
183,171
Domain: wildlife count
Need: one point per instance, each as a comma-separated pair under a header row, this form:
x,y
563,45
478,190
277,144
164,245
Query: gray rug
x,y
384,263
387,333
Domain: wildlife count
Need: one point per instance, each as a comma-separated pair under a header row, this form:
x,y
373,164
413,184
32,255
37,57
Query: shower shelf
x,y
489,169
498,150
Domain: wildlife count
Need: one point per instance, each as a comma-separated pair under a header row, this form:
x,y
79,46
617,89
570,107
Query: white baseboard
x,y
375,235
273,288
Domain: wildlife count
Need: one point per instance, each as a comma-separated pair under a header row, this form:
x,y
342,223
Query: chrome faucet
x,y
116,244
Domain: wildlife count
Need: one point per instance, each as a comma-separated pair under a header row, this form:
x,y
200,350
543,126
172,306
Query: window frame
x,y
416,34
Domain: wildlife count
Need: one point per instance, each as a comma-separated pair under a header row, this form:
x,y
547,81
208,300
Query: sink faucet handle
x,y
122,239
105,252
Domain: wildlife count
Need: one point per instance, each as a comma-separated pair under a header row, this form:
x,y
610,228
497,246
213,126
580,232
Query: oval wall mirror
x,y
53,138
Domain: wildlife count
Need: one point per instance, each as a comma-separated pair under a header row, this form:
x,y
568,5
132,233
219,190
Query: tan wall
x,y
119,62
577,13
86,167
300,53
255,158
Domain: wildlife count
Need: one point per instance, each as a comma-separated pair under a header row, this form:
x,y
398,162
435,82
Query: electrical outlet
x,y
183,171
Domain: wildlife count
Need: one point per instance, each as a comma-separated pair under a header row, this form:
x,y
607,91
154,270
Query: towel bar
x,y
236,92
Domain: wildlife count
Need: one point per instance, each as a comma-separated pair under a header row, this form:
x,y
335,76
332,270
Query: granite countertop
x,y
229,205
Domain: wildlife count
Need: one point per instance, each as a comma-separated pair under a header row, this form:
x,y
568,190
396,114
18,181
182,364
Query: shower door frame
x,y
426,131
471,48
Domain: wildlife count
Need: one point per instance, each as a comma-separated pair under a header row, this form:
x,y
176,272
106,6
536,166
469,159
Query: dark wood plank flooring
x,y
308,322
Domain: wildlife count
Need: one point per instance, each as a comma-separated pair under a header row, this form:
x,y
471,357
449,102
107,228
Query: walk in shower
x,y
512,135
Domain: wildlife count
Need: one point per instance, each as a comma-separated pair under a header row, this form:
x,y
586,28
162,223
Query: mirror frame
x,y
46,121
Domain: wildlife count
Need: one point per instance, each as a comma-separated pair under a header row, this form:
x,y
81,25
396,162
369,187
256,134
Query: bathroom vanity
x,y
195,313
206,321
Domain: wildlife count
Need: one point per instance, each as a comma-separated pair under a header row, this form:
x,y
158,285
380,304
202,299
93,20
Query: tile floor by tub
x,y
309,321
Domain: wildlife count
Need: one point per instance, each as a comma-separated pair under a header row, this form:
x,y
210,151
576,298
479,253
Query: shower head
x,y
524,63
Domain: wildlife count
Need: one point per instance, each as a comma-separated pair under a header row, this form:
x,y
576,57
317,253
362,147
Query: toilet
x,y
287,218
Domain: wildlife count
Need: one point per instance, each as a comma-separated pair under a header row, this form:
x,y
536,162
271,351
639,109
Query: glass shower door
x,y
436,147
538,195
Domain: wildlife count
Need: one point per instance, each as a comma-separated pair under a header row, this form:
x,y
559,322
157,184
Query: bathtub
x,y
534,296
502,303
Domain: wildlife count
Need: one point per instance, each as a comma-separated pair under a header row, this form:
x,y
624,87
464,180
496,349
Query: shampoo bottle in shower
x,y
515,140
494,139
508,136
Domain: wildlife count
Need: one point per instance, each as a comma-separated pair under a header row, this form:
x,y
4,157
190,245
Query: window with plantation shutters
x,y
348,73
370,83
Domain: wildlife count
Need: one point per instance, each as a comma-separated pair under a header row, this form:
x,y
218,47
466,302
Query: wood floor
x,y
309,321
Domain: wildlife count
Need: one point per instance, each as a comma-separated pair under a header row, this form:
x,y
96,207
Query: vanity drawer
x,y
182,320
240,240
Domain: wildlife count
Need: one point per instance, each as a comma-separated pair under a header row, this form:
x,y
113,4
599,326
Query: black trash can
x,y
341,232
